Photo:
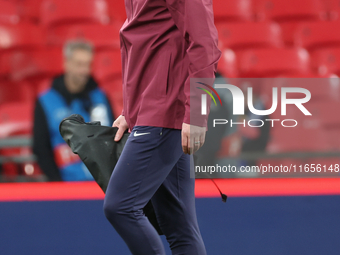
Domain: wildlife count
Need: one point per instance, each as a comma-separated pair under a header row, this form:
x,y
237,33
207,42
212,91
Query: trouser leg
x,y
174,203
147,159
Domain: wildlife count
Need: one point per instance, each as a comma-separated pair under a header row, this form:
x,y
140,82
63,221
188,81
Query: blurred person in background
x,y
253,139
74,92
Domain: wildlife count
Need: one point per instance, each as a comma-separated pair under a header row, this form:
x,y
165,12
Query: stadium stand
x,y
9,13
312,132
258,38
299,140
16,11
15,92
15,118
107,65
316,35
333,9
91,32
290,10
321,89
4,68
227,65
114,90
321,111
326,61
308,136
36,64
117,10
333,139
20,36
29,10
273,62
289,14
233,10
296,42
56,12
254,35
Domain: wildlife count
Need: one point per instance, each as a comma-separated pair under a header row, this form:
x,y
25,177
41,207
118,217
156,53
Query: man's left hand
x,y
193,138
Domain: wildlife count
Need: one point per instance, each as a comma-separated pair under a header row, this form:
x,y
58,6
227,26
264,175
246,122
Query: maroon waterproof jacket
x,y
164,43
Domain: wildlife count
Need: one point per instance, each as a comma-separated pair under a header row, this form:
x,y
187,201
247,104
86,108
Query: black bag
x,y
96,147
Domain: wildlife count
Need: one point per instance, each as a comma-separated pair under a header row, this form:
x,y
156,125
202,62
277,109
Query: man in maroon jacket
x,y
164,44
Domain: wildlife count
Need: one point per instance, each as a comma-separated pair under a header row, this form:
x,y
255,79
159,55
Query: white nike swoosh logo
x,y
135,134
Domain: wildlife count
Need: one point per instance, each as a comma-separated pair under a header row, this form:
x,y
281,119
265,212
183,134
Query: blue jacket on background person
x,y
54,156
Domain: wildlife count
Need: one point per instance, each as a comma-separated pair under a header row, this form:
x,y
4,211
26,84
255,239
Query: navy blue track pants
x,y
153,166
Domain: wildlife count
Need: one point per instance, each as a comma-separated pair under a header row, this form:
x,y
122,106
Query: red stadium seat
x,y
291,10
15,118
12,170
113,90
54,12
326,61
333,9
117,10
107,65
273,62
290,14
250,35
36,63
313,35
15,11
23,35
30,9
102,36
227,64
9,13
288,31
233,10
4,68
15,92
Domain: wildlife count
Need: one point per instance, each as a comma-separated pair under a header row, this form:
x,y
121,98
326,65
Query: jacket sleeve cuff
x,y
200,122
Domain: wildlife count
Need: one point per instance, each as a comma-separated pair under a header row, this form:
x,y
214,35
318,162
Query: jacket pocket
x,y
155,79
163,74
124,55
169,78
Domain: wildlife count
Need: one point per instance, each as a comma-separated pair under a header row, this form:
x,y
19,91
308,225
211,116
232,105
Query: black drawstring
x,y
224,196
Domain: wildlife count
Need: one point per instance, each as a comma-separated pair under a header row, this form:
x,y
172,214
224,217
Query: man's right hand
x,y
122,125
